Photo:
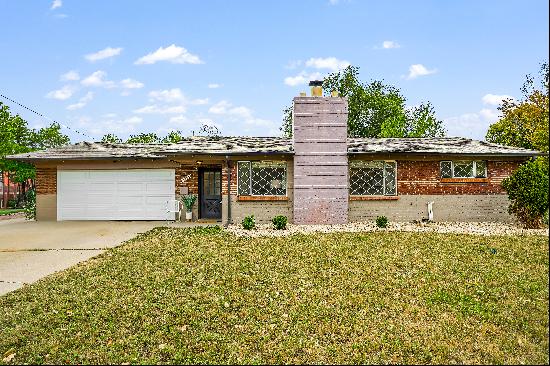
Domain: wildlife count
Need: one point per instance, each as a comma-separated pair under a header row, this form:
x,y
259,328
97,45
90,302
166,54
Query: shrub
x,y
12,203
188,201
249,223
30,205
382,221
527,190
279,222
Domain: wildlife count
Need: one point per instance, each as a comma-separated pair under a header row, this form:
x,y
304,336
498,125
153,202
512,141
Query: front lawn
x,y
203,296
9,211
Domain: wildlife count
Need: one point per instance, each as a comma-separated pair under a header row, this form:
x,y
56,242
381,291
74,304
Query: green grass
x,y
10,211
202,296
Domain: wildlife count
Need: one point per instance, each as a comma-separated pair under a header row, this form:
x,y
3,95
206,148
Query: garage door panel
x,y
130,187
134,194
158,187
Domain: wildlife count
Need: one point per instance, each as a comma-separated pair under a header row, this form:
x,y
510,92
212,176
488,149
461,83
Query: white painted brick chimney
x,y
320,160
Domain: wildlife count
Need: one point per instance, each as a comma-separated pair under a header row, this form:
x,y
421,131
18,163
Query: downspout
x,y
227,162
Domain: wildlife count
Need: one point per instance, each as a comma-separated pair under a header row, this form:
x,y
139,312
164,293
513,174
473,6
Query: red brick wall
x,y
46,180
423,177
190,173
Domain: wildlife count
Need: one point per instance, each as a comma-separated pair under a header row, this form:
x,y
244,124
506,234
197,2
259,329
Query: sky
x,y
127,67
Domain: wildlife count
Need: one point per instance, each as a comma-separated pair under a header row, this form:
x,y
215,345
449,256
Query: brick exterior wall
x,y
46,180
424,177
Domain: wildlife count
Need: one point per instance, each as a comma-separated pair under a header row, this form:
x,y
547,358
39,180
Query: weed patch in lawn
x,y
205,296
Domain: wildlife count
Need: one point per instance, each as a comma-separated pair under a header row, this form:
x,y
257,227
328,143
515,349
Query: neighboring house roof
x,y
270,145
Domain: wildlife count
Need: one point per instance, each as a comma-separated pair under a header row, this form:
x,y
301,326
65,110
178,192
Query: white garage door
x,y
134,194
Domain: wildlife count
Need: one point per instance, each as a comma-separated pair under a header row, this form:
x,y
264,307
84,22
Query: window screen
x,y
373,178
261,178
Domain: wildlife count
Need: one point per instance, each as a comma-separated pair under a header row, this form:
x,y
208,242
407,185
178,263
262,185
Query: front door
x,y
210,192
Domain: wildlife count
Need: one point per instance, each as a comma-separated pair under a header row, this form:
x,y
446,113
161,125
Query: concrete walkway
x,y
31,250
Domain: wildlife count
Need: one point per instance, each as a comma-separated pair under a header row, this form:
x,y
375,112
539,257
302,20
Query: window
x,y
463,169
373,178
261,178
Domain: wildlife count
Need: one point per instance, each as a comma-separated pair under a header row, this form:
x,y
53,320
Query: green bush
x,y
30,205
382,221
279,222
188,201
527,190
12,203
249,223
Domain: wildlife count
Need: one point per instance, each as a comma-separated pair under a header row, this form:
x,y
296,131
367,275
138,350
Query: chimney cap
x,y
316,83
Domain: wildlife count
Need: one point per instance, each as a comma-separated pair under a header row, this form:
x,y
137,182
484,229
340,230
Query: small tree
x,y
527,189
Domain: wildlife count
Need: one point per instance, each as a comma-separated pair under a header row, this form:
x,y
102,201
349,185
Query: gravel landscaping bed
x,y
475,228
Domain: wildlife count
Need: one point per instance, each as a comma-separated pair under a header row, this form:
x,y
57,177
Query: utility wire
x,y
46,117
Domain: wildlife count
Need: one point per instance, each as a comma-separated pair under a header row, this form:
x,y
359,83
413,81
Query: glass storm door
x,y
210,183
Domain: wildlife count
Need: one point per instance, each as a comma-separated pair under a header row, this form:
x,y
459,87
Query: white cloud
x,y
493,99
70,76
103,54
226,108
214,86
131,84
109,124
303,78
82,102
390,45
179,120
172,53
64,93
167,96
156,109
417,70
56,4
97,79
472,125
331,63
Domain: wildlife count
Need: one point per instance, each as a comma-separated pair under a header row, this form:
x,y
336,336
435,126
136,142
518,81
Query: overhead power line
x,y
46,117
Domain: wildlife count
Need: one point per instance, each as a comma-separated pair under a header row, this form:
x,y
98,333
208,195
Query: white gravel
x,y
475,228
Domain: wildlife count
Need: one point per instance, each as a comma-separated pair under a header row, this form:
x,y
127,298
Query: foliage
x,y
188,201
111,139
202,296
144,138
382,221
527,189
524,123
30,205
12,203
279,222
376,109
249,222
16,137
172,138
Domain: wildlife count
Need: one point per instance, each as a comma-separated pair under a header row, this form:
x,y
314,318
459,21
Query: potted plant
x,y
188,201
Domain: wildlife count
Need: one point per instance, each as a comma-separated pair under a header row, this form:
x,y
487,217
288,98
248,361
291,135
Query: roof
x,y
270,145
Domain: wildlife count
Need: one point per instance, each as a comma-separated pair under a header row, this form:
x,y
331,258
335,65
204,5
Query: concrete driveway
x,y
32,250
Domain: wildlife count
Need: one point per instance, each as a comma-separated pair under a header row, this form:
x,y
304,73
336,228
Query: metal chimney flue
x,y
316,88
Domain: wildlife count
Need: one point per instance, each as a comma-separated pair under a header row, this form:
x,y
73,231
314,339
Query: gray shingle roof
x,y
269,145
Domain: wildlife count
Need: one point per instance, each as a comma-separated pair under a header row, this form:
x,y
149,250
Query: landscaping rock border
x,y
474,228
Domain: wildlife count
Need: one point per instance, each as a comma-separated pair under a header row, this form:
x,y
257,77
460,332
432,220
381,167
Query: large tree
x,y
376,109
524,122
16,137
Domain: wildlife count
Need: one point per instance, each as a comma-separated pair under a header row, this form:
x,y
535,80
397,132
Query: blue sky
x,y
153,66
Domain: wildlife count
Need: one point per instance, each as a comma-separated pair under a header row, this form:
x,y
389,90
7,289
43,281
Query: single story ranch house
x,y
320,176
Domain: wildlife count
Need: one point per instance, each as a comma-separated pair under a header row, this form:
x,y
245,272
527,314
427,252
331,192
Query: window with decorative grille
x,y
261,178
373,178
463,169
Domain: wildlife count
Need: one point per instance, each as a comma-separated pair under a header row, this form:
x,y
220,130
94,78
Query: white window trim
x,y
383,179
474,170
250,178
